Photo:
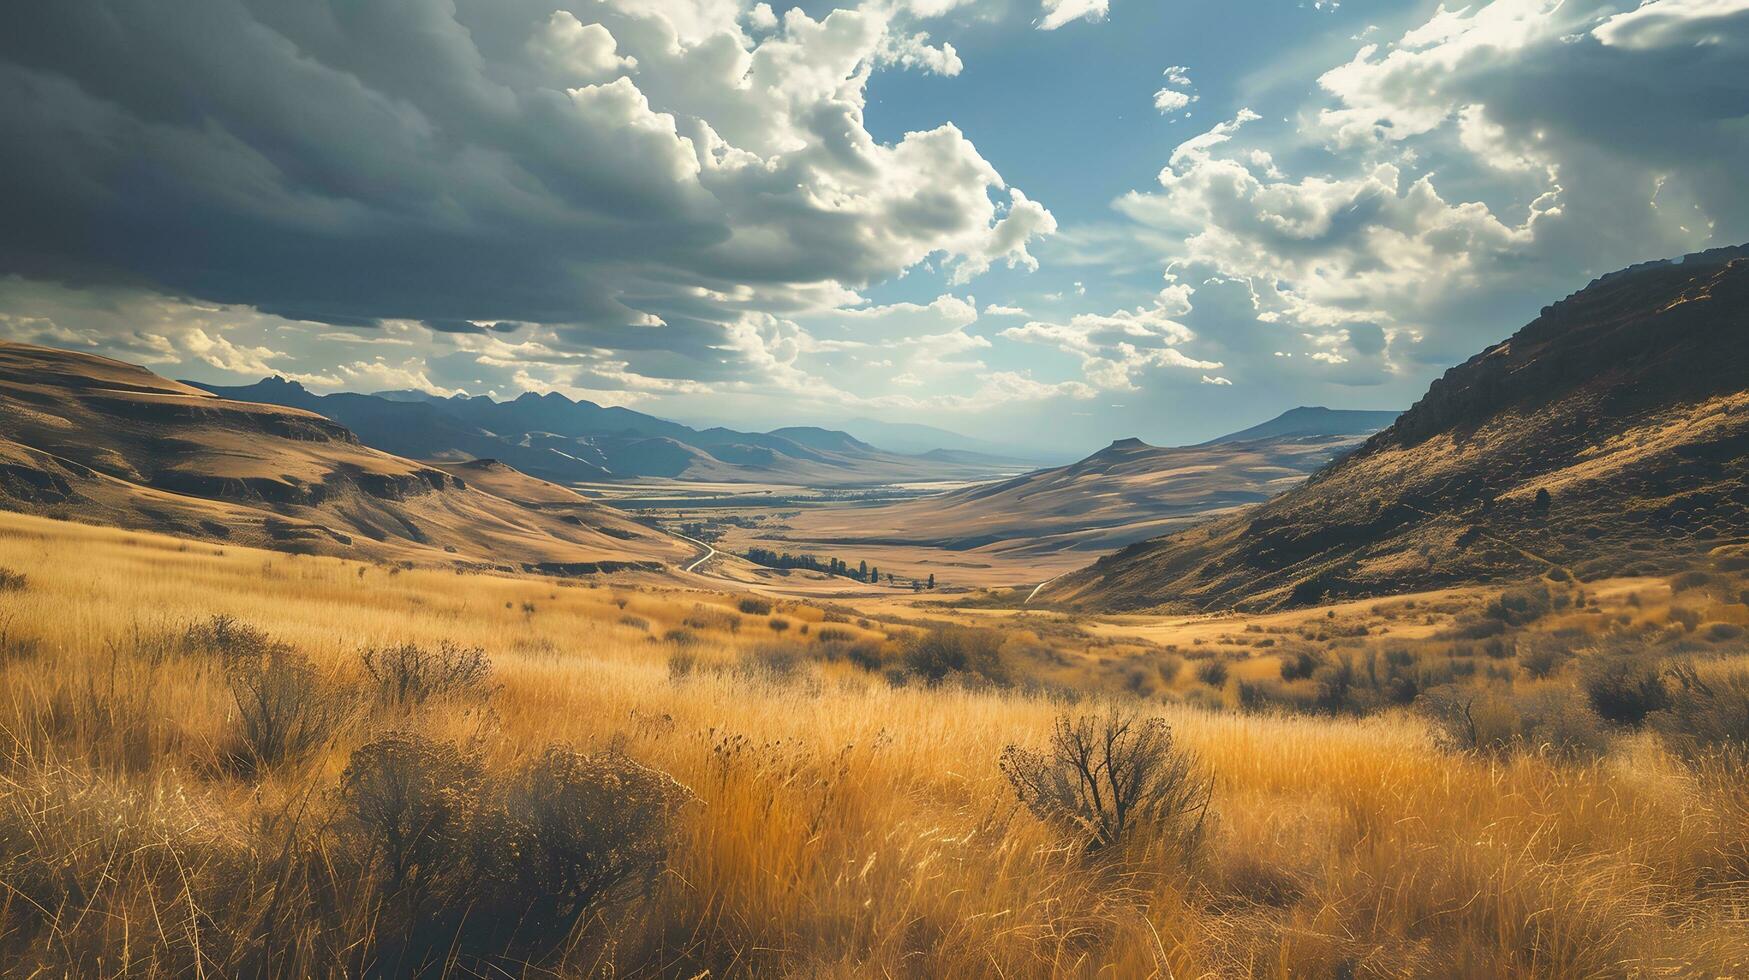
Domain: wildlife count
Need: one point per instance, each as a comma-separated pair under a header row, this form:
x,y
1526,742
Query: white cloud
x,y
1060,12
1178,93
1665,23
1442,185
570,47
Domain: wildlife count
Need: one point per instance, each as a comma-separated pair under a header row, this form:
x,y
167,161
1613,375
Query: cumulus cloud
x,y
1178,94
1443,184
1060,12
643,177
1113,348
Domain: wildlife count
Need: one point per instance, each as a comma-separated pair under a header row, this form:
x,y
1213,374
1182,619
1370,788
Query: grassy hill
x,y
96,440
1609,436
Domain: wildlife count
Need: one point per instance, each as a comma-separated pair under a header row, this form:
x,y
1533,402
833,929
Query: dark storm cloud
x,y
360,160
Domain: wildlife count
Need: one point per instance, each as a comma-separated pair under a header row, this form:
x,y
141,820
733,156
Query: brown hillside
x,y
1609,436
91,439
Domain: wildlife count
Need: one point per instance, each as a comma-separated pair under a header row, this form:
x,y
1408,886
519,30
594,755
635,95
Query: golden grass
x,y
846,828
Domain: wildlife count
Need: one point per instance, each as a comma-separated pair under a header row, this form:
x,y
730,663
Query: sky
x,y
1050,223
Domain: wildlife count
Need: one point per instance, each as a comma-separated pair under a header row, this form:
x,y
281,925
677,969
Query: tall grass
x,y
843,826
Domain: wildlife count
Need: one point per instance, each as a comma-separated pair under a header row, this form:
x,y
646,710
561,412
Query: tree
x,y
874,576
932,580
862,571
1543,501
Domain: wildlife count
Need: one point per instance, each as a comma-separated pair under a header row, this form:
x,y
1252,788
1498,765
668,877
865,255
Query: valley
x,y
1466,686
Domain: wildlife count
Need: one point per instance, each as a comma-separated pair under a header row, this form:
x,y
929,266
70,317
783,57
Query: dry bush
x,y
754,607
227,638
575,831
956,651
1706,714
1300,665
868,655
284,709
778,624
1553,721
1212,672
409,674
681,664
706,619
1106,777
1624,687
775,663
12,581
409,801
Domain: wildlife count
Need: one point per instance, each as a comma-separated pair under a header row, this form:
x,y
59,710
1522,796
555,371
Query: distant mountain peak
x,y
1312,420
1127,445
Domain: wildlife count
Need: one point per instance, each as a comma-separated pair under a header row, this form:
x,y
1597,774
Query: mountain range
x,y
566,441
1610,436
1051,519
91,439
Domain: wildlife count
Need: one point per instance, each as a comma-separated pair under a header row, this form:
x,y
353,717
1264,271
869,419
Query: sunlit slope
x,y
1042,523
97,440
1609,436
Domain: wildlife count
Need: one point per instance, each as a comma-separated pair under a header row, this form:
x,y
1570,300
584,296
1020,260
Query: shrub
x,y
956,650
680,638
227,638
779,624
681,663
283,709
827,634
410,674
1107,777
1690,580
1212,672
1167,665
1516,607
410,800
575,831
754,607
1560,722
770,662
706,619
865,654
1336,682
1624,687
635,622
1542,657
1553,721
1299,666
12,581
1705,714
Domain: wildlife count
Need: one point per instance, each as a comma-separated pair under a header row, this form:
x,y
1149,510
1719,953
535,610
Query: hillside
x,y
568,441
1313,421
1609,436
1048,520
96,440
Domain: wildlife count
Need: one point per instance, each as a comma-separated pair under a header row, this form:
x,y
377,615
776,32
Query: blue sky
x,y
1057,222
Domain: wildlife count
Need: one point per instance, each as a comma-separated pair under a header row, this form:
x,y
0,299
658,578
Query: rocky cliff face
x,y
1607,436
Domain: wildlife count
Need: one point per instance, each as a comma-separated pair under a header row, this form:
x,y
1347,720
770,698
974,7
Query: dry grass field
x,y
822,818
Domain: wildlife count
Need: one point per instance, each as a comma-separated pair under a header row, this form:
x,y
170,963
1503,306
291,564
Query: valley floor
x,y
842,821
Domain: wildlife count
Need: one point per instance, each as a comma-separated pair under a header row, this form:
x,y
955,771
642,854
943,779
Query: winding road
x,y
709,551
1041,586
